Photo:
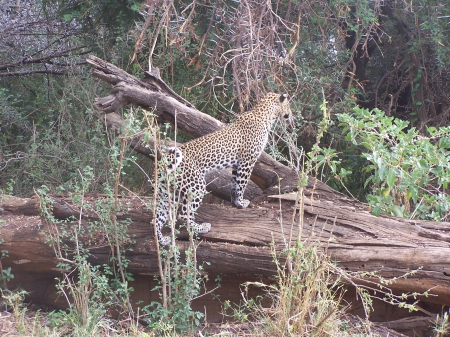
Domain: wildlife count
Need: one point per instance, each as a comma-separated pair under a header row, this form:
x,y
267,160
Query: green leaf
x,y
423,164
381,171
391,178
413,190
376,210
397,211
444,143
344,172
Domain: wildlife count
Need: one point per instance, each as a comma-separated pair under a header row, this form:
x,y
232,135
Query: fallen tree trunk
x,y
239,241
238,250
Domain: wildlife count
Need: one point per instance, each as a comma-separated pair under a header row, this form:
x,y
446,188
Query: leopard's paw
x,y
244,203
202,228
165,240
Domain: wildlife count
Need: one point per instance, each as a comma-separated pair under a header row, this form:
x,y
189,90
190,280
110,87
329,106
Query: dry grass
x,y
37,324
26,323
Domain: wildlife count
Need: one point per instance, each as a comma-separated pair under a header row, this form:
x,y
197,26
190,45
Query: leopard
x,y
238,146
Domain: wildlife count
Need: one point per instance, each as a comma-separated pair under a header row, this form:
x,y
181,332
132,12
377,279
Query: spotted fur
x,y
238,146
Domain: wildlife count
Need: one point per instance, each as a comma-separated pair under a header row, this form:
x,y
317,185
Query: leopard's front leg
x,y
241,175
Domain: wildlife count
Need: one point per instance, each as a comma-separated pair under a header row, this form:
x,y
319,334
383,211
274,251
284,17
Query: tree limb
x,y
33,72
44,59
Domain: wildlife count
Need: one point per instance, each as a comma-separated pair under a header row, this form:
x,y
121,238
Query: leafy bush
x,y
409,172
91,291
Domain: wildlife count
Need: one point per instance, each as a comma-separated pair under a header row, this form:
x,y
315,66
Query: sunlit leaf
x,y
391,178
397,211
444,143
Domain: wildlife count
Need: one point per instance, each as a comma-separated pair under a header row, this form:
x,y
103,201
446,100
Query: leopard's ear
x,y
283,97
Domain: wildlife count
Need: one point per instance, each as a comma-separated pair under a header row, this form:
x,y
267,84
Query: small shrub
x,y
409,172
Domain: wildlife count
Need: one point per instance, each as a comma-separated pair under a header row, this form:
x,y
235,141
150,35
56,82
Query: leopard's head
x,y
273,106
285,108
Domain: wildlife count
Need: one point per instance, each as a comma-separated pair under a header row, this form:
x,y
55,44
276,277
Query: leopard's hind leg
x,y
161,219
191,195
175,157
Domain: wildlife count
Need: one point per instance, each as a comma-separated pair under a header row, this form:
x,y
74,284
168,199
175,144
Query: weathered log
x,y
239,242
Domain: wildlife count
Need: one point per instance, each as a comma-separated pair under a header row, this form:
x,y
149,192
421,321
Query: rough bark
x,y
239,242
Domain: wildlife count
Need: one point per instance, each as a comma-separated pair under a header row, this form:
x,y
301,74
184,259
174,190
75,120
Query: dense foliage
x,y
408,172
